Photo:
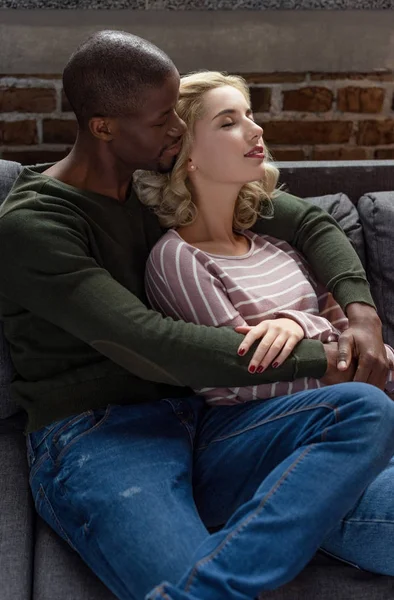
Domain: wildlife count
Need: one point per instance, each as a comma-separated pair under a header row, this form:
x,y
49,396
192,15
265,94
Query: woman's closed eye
x,y
249,115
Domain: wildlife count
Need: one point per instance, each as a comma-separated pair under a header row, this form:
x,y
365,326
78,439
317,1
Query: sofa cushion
x,y
59,571
334,580
345,213
16,518
9,171
376,212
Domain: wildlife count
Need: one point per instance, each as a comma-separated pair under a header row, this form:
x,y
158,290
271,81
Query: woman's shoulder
x,y
169,246
170,239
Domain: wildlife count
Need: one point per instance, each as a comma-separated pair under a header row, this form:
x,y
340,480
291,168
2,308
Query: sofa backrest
x,y
370,186
353,178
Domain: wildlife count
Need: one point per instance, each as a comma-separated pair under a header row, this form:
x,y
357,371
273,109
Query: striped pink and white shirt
x,y
271,280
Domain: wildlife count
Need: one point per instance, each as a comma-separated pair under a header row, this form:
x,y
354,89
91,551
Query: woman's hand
x,y
278,339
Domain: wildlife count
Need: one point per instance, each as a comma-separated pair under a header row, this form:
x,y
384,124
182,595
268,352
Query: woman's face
x,y
228,144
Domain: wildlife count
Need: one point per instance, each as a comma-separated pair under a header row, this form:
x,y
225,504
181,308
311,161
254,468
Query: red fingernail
x,y
252,369
275,365
242,351
260,369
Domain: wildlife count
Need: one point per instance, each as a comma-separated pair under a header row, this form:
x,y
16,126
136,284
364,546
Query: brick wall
x,y
316,116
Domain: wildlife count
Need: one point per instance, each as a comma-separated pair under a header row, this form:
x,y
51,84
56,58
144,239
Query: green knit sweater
x,y
74,309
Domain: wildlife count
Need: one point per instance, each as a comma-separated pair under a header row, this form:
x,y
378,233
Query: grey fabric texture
x,y
377,216
345,213
16,519
59,573
8,173
334,581
353,178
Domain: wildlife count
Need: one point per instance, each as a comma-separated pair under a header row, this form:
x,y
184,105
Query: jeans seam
x,y
265,422
339,558
336,417
81,435
46,499
34,469
367,521
184,425
246,521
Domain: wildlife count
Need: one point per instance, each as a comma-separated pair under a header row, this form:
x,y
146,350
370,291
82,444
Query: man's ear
x,y
101,128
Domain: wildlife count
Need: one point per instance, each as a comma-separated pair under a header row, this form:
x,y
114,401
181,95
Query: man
x,y
114,435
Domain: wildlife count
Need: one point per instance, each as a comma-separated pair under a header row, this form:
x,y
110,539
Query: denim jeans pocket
x,y
73,430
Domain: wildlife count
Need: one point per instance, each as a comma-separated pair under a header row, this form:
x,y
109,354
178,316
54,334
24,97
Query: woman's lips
x,y
256,152
259,155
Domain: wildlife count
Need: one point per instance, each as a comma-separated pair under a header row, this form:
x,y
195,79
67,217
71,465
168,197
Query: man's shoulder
x,y
30,215
32,209
37,198
29,187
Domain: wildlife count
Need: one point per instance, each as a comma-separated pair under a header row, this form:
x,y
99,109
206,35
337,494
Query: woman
x,y
278,512
210,268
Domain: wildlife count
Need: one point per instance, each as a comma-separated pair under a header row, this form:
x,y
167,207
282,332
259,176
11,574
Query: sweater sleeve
x,y
179,284
47,269
320,239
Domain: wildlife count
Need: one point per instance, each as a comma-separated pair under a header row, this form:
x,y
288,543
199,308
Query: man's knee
x,y
371,409
369,397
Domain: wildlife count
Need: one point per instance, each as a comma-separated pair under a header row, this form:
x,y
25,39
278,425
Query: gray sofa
x,y
37,565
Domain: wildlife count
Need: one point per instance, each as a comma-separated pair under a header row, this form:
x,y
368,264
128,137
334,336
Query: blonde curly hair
x,y
170,195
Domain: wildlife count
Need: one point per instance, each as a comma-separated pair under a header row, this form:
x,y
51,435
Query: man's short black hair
x,y
108,72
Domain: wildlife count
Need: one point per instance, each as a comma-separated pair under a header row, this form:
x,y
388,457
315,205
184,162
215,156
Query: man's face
x,y
150,139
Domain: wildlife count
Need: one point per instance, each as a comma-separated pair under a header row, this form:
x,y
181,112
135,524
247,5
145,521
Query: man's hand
x,y
333,375
363,341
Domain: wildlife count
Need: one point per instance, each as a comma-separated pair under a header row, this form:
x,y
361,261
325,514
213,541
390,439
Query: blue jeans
x,y
135,489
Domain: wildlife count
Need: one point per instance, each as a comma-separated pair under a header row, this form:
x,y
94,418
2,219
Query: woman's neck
x,y
212,230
